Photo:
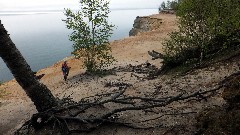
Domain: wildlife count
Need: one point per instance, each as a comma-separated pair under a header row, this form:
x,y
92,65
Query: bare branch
x,y
131,103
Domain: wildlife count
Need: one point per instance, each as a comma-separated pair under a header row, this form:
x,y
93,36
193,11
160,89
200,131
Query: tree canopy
x,y
169,5
91,33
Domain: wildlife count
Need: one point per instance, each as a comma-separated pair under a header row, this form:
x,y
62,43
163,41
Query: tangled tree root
x,y
72,117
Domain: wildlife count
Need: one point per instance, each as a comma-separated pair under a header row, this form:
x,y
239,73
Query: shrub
x,y
202,31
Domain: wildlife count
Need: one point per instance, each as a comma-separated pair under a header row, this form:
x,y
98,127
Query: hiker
x,y
65,70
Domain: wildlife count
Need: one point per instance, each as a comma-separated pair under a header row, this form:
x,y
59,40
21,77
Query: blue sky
x,y
26,5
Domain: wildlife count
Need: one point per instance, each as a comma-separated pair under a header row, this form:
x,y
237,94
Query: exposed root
x,y
72,117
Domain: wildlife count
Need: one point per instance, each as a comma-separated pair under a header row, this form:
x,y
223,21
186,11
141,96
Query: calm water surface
x,y
42,38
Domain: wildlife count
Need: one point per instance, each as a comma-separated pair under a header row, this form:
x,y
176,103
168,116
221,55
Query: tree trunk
x,y
37,92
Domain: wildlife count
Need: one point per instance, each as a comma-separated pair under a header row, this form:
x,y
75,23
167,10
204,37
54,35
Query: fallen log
x,y
155,55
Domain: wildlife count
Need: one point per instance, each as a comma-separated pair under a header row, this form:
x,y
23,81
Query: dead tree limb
x,y
65,116
155,55
117,84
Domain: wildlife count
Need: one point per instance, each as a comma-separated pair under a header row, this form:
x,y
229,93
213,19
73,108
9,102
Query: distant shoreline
x,y
18,12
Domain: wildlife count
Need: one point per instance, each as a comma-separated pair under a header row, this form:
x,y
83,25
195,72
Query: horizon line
x,y
54,10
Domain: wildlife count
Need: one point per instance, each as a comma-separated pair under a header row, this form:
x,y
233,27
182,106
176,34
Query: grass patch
x,y
2,92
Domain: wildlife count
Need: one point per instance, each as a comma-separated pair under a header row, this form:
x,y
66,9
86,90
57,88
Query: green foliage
x,y
163,5
91,33
202,29
169,5
174,5
218,16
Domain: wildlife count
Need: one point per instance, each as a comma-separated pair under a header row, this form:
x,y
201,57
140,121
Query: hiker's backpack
x,y
63,68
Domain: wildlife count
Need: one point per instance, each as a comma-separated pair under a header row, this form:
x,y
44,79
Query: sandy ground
x,y
15,106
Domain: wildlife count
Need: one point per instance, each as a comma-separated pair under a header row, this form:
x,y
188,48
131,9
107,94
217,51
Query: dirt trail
x,y
16,107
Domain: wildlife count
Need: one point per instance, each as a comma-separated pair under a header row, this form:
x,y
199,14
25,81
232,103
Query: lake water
x,y
42,37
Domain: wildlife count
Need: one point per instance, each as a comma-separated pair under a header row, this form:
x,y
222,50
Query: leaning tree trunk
x,y
37,92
